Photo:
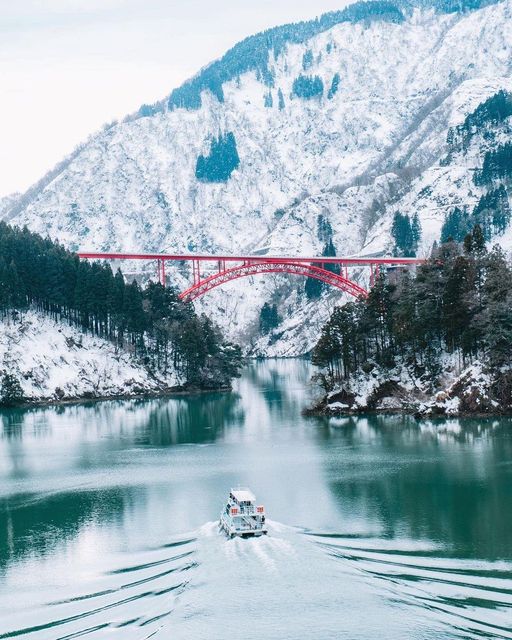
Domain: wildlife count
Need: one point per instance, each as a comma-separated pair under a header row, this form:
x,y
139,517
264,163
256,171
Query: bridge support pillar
x,y
161,272
196,271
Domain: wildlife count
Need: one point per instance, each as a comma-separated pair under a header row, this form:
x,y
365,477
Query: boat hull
x,y
234,532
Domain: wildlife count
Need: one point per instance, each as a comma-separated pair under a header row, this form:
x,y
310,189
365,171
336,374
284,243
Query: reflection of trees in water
x,y
197,419
32,524
283,383
161,421
93,433
451,483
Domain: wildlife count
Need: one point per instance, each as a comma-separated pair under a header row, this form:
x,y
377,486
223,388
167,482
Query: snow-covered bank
x,y
460,391
54,362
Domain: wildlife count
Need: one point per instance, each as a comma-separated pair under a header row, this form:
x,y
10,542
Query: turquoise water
x,y
380,526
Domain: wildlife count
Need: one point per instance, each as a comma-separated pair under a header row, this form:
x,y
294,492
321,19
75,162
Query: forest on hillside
x,y
151,322
459,302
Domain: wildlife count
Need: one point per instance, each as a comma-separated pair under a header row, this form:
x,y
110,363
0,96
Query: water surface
x,y
380,526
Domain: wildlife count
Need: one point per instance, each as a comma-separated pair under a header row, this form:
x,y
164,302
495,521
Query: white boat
x,y
241,516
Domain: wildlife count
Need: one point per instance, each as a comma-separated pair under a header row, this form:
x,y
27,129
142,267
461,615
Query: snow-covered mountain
x,y
342,120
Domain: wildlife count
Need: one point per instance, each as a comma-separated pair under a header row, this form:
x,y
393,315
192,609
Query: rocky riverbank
x,y
468,391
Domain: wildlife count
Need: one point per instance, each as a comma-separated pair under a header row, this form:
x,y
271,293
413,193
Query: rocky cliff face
x,y
341,121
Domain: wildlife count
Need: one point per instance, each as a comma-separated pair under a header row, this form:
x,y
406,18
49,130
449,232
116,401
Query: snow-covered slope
x,y
7,203
53,361
353,156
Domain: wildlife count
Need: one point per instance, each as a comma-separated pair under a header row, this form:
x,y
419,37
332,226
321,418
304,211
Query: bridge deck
x,y
356,260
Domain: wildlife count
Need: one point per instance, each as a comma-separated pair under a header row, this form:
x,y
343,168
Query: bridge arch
x,y
201,287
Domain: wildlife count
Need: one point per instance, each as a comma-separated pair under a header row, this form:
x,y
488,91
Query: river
x,y
380,526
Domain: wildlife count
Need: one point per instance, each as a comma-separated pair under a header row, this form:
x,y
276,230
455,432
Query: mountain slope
x,y
343,120
56,362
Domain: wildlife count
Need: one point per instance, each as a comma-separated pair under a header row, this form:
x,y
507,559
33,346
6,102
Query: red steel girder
x,y
252,265
254,268
170,257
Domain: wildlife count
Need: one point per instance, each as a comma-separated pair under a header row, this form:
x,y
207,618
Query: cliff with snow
x,y
344,120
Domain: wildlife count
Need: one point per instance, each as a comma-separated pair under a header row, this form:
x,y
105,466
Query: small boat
x,y
241,516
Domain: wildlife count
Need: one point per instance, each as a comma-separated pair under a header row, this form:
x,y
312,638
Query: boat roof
x,y
243,495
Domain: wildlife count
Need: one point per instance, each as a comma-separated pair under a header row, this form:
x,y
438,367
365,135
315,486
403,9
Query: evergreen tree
x,y
308,87
489,113
11,393
496,315
269,318
323,229
416,231
307,59
456,225
38,273
334,86
221,161
133,309
492,212
329,251
280,98
497,165
405,235
456,306
313,288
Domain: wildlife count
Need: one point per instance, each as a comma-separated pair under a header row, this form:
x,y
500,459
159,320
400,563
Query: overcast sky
x,y
69,66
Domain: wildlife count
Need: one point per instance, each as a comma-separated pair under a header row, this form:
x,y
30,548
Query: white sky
x,y
69,66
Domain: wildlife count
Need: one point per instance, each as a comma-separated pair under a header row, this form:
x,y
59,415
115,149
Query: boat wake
x,y
195,585
469,598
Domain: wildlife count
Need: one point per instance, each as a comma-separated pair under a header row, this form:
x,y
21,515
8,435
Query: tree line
x,y
459,301
151,321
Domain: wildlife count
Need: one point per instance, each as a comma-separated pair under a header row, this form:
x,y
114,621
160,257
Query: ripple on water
x,y
123,602
292,583
470,597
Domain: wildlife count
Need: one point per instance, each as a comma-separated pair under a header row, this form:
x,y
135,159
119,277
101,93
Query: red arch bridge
x,y
211,271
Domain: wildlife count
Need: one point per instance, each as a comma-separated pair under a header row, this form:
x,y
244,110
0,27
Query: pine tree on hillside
x,y
269,318
313,288
457,225
458,293
501,210
307,59
497,165
405,234
416,232
133,308
496,317
329,251
280,99
11,393
221,160
334,86
38,273
323,229
308,87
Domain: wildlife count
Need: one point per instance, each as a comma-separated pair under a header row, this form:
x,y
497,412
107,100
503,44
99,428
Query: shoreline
x,y
171,392
309,412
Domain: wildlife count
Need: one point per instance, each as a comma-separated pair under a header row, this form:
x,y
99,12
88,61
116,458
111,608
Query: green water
x,y
380,526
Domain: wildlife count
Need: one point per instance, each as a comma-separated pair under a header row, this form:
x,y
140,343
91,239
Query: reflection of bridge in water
x,y
210,271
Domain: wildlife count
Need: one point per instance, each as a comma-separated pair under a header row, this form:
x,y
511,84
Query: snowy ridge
x,y
372,148
56,362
